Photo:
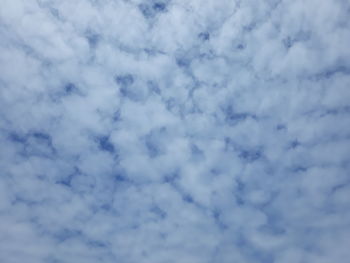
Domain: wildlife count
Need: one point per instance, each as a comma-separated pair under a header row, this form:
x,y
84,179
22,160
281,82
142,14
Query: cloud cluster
x,y
174,131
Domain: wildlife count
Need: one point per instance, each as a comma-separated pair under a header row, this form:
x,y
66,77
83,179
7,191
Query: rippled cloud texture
x,y
174,131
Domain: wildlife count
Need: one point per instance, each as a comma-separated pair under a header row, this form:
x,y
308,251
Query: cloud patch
x,y
174,131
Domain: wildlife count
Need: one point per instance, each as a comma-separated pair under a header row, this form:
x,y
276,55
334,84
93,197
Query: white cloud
x,y
174,131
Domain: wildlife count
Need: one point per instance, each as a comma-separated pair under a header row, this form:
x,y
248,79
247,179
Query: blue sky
x,y
174,131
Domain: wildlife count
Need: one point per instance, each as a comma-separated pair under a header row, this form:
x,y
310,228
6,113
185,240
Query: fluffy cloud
x,y
174,131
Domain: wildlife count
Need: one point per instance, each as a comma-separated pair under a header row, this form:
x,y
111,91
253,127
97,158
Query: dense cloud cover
x,y
169,131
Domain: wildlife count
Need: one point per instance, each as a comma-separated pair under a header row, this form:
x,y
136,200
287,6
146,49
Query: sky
x,y
167,131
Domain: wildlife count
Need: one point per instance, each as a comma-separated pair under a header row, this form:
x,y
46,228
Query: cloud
x,y
174,131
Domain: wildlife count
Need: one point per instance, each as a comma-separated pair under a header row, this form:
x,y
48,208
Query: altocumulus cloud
x,y
168,131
